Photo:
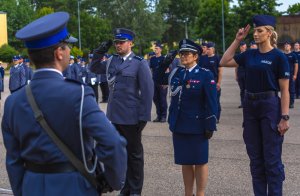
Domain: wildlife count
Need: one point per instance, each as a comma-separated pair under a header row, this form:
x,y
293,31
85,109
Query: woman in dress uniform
x,y
265,114
192,116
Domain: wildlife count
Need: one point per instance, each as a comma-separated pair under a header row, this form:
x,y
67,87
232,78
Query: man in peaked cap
x,y
160,85
33,159
130,100
213,64
17,75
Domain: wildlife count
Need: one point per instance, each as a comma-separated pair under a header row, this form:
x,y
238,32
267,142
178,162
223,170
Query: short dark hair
x,y
44,57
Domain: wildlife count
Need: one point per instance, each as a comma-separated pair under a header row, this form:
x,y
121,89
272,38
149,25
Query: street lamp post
x,y
79,34
186,29
223,31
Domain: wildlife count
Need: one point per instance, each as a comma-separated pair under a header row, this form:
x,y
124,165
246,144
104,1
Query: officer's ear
x,y
59,53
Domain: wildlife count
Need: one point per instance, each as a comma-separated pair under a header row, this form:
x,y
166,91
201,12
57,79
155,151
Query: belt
x,y
49,167
262,95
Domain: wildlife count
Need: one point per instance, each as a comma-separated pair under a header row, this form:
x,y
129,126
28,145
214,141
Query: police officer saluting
x,y
266,116
35,165
129,102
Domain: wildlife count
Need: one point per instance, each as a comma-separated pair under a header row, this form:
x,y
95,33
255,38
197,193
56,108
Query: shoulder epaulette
x,y
138,58
204,69
115,55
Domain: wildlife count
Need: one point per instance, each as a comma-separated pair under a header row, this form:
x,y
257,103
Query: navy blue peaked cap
x,y
264,20
189,45
252,43
46,31
210,44
122,34
242,43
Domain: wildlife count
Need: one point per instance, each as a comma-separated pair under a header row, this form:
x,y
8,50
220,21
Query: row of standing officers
x,y
193,114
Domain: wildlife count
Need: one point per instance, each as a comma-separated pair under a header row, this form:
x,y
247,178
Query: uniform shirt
x,y
263,69
203,60
193,104
292,59
154,66
241,71
211,63
298,55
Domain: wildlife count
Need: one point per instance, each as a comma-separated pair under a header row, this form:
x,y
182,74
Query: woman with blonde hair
x,y
266,115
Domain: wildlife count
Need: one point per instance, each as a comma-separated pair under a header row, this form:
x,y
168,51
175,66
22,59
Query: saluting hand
x,y
283,126
242,33
103,47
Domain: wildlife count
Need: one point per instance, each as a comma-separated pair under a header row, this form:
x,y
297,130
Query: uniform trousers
x,y
219,104
160,100
297,85
241,83
292,90
105,91
264,145
95,89
135,165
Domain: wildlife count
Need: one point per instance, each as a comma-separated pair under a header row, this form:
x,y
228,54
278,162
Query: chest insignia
x,y
266,62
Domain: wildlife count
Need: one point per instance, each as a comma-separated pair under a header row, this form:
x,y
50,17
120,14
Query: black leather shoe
x,y
163,119
240,106
156,120
292,106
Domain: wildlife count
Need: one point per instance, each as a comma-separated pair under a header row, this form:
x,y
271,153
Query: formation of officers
x,y
129,84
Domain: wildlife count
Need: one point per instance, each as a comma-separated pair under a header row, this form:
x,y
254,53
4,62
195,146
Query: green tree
x,y
19,13
133,14
294,9
208,25
7,52
178,16
246,9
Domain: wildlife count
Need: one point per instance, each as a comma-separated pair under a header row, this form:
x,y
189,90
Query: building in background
x,y
3,28
288,29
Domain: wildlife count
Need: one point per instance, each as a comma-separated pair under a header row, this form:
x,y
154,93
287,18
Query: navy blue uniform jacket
x,y
131,89
193,105
25,139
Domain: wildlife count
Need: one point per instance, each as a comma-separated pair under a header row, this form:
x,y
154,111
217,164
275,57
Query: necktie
x,y
186,79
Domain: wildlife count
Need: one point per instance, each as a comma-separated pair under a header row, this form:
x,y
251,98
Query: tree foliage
x,y
151,20
7,52
294,9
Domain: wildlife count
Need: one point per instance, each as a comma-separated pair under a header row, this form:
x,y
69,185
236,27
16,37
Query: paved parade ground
x,y
229,173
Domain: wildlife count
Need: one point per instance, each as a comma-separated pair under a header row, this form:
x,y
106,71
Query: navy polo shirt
x,y
211,63
154,65
263,69
292,59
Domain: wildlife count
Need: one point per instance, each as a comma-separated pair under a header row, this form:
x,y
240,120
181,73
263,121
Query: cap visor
x,y
187,50
71,40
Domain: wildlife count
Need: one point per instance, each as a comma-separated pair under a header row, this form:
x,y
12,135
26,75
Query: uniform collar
x,y
48,69
192,68
125,57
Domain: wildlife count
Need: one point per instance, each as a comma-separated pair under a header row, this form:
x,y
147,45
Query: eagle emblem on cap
x,y
118,31
184,41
